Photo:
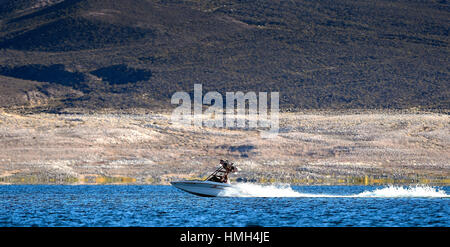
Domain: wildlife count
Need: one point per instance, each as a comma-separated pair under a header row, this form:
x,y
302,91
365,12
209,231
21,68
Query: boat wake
x,y
400,191
283,190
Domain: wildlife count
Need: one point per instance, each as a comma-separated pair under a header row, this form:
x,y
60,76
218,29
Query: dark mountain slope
x,y
81,34
318,54
17,93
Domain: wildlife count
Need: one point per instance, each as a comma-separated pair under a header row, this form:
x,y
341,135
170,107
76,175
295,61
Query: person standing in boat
x,y
229,168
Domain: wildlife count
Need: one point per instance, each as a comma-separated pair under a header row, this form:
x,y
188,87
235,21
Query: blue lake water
x,y
147,205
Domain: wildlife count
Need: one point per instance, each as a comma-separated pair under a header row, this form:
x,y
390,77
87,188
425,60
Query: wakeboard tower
x,y
212,186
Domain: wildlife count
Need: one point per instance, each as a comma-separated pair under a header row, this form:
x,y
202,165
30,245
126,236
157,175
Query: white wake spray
x,y
283,190
400,191
256,190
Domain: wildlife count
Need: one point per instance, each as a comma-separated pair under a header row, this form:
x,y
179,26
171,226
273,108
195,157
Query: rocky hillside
x,y
319,54
311,148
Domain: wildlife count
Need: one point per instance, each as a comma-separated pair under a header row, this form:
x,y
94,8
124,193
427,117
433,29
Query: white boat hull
x,y
201,188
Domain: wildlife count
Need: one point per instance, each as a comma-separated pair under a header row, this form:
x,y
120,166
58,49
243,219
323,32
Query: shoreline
x,y
327,148
396,184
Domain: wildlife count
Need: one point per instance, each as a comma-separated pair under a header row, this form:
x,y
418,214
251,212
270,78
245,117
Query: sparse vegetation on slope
x,y
319,54
314,148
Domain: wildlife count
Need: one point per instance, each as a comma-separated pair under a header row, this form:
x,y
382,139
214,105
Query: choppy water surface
x,y
129,205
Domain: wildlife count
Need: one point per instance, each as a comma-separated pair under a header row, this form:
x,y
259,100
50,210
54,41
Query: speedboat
x,y
201,188
214,184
